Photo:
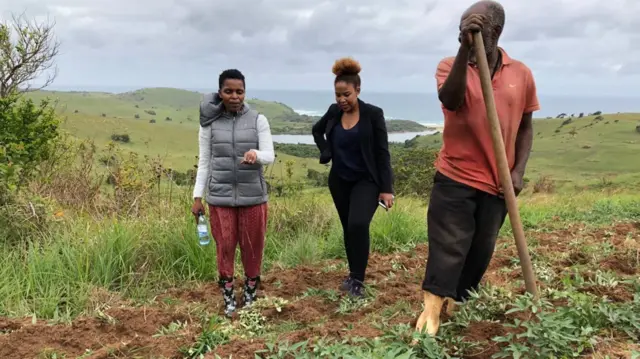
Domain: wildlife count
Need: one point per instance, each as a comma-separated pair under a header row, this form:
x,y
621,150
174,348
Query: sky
x,y
573,47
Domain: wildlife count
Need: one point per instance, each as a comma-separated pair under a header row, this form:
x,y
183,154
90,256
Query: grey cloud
x,y
531,21
395,41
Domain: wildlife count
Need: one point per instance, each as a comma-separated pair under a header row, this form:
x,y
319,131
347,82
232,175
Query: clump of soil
x,y
619,294
621,264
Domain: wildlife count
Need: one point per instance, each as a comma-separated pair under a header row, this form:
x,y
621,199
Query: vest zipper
x,y
235,164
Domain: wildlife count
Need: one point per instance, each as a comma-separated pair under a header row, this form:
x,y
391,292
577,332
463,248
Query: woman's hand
x,y
387,199
250,157
198,208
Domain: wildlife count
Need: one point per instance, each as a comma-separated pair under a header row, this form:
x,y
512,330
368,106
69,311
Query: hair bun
x,y
346,66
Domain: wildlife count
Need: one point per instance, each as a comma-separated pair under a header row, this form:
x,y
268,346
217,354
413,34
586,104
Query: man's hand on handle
x,y
470,24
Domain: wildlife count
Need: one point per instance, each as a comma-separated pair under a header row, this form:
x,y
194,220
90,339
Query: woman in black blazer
x,y
352,135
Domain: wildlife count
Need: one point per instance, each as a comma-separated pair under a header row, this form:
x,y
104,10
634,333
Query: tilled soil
x,y
129,331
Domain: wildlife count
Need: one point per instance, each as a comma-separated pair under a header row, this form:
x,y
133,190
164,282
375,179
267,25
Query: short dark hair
x,y
231,74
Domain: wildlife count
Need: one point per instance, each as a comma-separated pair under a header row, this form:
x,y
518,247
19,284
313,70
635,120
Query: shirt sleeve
x,y
442,71
264,151
204,158
531,97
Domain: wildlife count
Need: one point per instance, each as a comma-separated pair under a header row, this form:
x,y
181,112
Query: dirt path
x,y
122,330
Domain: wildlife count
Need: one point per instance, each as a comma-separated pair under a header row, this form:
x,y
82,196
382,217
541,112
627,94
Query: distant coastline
x,y
178,106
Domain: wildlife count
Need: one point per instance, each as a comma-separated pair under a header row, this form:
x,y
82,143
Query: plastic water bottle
x,y
203,232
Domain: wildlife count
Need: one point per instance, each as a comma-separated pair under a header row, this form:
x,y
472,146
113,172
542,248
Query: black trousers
x,y
463,225
356,203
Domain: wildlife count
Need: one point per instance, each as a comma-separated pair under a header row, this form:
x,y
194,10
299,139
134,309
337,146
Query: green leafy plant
x,y
27,137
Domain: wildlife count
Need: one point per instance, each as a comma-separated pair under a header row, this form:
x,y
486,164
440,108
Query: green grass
x,y
586,150
81,253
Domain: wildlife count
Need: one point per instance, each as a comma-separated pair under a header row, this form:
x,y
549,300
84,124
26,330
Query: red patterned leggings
x,y
244,225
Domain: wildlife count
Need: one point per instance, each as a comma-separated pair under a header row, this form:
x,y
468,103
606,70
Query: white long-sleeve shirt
x,y
264,153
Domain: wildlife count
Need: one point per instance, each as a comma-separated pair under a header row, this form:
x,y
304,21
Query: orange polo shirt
x,y
467,155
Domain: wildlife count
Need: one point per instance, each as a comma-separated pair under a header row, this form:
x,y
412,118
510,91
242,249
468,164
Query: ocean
x,y
425,108
420,107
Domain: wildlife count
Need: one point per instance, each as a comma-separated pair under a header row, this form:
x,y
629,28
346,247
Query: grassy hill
x,y
181,107
594,148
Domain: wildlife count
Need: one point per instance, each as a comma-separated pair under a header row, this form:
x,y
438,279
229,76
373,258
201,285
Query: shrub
x,y
318,178
414,170
70,177
28,133
152,121
168,119
124,138
136,116
131,180
298,150
544,184
150,112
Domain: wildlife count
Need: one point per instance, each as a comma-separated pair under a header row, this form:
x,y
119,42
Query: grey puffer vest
x,y
230,183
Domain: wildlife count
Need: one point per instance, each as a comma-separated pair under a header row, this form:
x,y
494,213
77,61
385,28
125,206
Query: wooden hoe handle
x,y
503,166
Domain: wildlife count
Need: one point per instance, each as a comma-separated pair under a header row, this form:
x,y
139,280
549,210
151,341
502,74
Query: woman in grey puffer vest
x,y
235,143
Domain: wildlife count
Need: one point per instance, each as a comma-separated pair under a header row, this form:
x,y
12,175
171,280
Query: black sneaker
x,y
346,284
250,290
357,289
226,287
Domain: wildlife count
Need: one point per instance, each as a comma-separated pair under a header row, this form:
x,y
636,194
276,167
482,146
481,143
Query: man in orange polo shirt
x,y
467,209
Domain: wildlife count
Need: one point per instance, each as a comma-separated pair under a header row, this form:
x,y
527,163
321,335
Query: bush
x,y
124,138
317,178
130,178
414,170
150,112
152,121
28,133
168,119
136,116
298,150
544,184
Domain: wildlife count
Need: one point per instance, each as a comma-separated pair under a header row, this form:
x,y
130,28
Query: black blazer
x,y
373,140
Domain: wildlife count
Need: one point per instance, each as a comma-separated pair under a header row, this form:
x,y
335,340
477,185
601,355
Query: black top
x,y
373,141
348,161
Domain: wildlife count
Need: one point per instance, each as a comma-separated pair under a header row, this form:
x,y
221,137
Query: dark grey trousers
x,y
463,225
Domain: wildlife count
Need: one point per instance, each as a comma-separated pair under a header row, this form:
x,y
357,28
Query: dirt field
x,y
122,329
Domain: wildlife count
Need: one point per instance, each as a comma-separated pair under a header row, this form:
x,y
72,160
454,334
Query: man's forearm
x,y
451,94
524,143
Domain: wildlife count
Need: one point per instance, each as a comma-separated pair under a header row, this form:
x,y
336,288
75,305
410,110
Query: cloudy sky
x,y
587,47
